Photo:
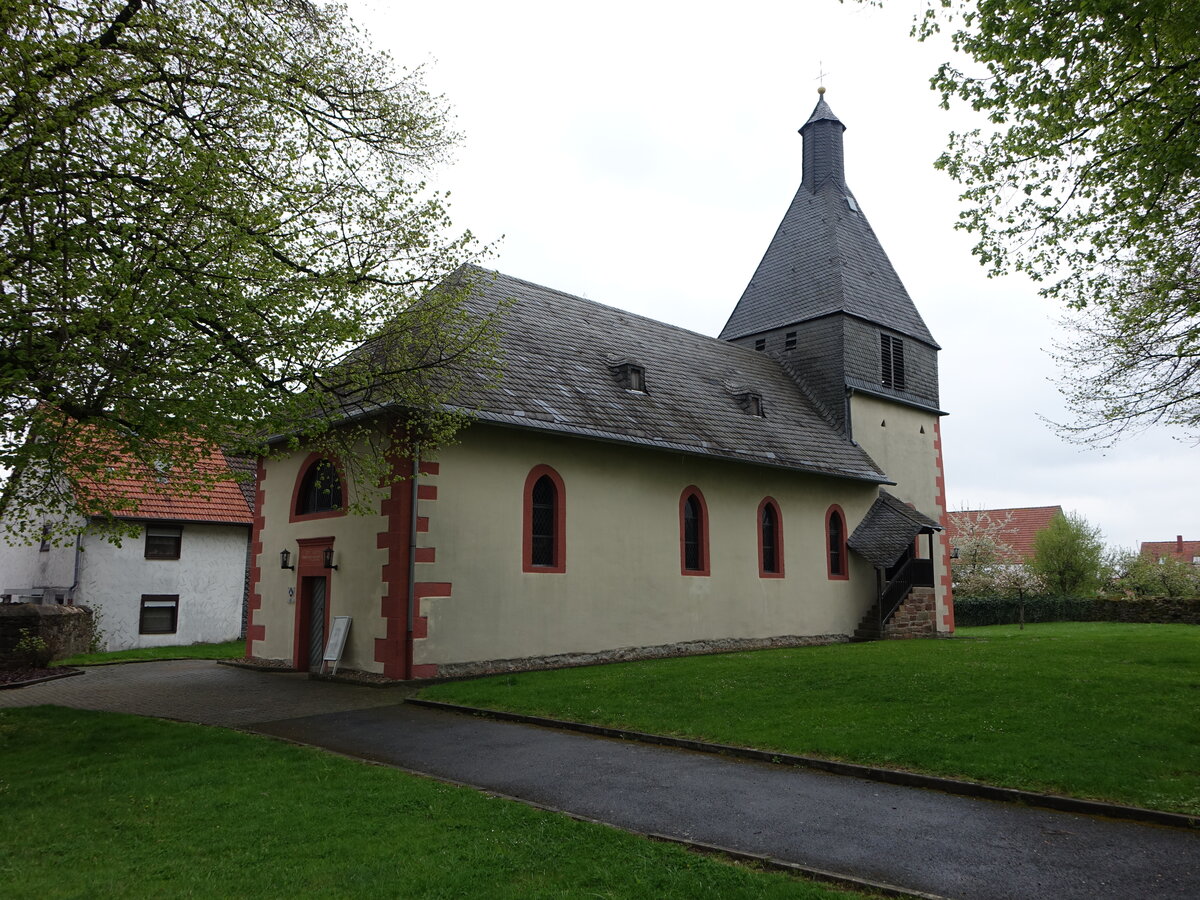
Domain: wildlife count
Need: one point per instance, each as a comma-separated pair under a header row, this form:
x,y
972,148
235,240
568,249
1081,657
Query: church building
x,y
630,489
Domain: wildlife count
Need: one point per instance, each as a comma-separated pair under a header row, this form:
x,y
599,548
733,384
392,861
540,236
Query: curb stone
x,y
888,776
20,684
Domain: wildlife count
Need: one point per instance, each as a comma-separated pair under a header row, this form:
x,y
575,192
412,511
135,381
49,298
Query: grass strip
x,y
109,805
227,650
1103,711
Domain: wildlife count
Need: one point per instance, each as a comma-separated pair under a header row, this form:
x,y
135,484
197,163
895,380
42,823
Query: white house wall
x,y
208,577
27,570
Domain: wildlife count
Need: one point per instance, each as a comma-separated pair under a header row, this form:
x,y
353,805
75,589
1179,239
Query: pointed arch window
x,y
693,532
320,489
544,547
770,539
835,543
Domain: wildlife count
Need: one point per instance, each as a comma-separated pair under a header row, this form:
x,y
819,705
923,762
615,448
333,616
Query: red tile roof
x,y
154,498
1016,527
1179,548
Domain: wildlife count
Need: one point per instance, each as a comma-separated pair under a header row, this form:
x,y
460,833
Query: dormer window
x,y
630,376
891,358
751,402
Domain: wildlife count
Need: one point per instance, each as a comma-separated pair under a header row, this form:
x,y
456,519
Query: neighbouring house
x,y
1014,529
181,580
633,489
1161,551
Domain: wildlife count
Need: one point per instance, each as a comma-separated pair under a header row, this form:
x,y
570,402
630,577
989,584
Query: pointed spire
x,y
823,159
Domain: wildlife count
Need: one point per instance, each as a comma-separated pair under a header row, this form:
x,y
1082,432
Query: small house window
x,y
545,547
637,379
760,344
693,532
789,341
770,540
320,490
891,357
835,543
163,541
160,614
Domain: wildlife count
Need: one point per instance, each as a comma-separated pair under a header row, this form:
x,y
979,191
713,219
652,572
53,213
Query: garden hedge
x,y
971,611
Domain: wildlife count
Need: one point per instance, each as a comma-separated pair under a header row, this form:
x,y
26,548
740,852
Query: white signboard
x,y
337,641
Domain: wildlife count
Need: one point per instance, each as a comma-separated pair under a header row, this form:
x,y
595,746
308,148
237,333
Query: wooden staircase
x,y
913,575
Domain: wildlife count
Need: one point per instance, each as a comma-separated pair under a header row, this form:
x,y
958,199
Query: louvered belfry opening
x,y
891,356
544,500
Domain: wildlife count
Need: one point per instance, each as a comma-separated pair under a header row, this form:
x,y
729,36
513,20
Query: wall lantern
x,y
329,558
285,560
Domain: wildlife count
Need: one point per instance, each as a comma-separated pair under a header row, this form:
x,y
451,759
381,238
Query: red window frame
x,y
309,461
702,532
844,575
777,572
560,522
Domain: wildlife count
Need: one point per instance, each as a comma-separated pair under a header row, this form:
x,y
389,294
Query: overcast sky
x,y
641,154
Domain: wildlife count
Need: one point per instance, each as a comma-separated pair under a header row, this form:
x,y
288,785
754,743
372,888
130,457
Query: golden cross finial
x,y
821,73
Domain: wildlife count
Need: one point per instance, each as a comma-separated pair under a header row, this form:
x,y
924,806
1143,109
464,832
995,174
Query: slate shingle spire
x,y
823,158
825,291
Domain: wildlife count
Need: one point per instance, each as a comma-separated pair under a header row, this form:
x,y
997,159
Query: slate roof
x,y
223,502
559,353
1016,527
888,530
825,257
822,113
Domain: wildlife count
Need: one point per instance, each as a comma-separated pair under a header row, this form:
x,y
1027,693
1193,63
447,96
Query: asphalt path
x,y
921,840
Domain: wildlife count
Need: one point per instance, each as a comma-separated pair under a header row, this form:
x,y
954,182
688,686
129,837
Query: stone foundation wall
x,y
67,630
916,616
627,654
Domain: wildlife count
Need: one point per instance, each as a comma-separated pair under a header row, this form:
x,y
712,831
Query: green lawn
x,y
108,805
228,650
1098,710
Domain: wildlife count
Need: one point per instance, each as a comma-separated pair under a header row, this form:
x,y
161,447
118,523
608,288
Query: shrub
x,y
972,611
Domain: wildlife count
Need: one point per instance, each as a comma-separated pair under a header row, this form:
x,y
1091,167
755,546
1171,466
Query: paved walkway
x,y
922,840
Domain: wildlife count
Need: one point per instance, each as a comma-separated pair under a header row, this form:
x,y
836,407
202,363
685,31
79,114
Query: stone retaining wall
x,y
67,630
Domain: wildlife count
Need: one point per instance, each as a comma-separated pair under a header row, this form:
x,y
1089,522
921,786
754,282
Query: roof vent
x,y
850,203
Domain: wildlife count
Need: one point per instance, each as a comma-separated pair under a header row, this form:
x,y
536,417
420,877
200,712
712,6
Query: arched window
x,y
693,532
770,539
545,516
319,490
835,543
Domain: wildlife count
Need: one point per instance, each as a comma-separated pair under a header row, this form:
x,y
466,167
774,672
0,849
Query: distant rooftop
x,y
1017,527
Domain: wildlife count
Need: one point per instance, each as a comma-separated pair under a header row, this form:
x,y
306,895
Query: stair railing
x,y
914,573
